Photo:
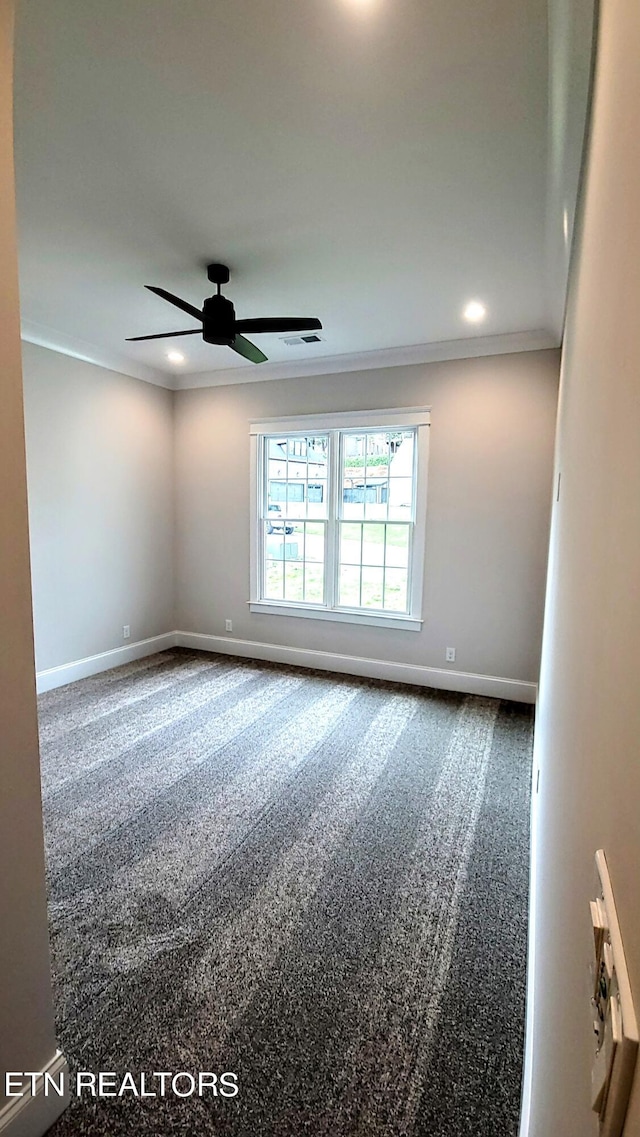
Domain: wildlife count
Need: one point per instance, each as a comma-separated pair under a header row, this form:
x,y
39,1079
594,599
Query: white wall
x,y
588,724
571,34
488,510
100,476
27,1040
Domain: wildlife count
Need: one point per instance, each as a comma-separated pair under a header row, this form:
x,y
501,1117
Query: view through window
x,y
338,512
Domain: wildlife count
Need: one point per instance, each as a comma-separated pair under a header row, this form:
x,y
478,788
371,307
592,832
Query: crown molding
x,y
43,336
537,340
469,348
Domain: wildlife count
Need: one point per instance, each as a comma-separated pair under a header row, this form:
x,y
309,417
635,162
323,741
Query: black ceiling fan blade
x,y
249,350
166,335
279,324
189,308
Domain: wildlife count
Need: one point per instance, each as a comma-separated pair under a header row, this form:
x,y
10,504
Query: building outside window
x,y
339,512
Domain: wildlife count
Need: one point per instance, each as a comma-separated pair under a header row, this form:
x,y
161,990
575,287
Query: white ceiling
x,y
376,163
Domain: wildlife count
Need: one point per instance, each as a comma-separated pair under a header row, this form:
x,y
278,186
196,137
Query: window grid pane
x,y
295,477
377,477
294,557
373,526
374,560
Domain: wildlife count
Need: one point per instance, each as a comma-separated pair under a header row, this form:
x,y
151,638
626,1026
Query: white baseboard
x,y
466,682
31,1116
81,668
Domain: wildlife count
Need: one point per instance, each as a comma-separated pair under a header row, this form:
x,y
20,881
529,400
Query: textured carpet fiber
x,y
315,882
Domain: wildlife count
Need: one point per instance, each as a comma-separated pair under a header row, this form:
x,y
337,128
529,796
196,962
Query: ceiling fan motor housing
x,y
218,320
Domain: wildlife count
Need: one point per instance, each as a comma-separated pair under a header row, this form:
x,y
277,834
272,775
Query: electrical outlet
x,y
126,631
450,655
228,625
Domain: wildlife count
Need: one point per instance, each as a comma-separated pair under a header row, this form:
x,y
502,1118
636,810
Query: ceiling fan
x,y
218,319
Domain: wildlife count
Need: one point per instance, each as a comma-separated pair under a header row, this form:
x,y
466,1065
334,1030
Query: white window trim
x,y
419,417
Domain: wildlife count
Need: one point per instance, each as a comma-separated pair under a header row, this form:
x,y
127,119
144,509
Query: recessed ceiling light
x,y
474,312
175,357
363,5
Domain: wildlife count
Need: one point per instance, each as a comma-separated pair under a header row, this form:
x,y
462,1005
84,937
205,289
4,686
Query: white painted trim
x,y
77,348
81,668
32,1116
629,1021
418,539
255,545
530,1009
469,348
333,425
465,682
387,418
339,615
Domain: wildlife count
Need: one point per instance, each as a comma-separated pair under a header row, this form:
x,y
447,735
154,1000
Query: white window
x,y
338,517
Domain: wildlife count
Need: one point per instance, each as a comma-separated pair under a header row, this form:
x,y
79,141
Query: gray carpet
x,y
316,882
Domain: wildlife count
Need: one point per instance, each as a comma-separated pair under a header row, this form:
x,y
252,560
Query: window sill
x,y
342,616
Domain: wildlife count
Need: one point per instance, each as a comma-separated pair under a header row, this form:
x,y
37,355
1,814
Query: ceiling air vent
x,y
308,337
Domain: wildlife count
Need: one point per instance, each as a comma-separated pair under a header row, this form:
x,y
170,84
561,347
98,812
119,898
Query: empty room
x,y
319,552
